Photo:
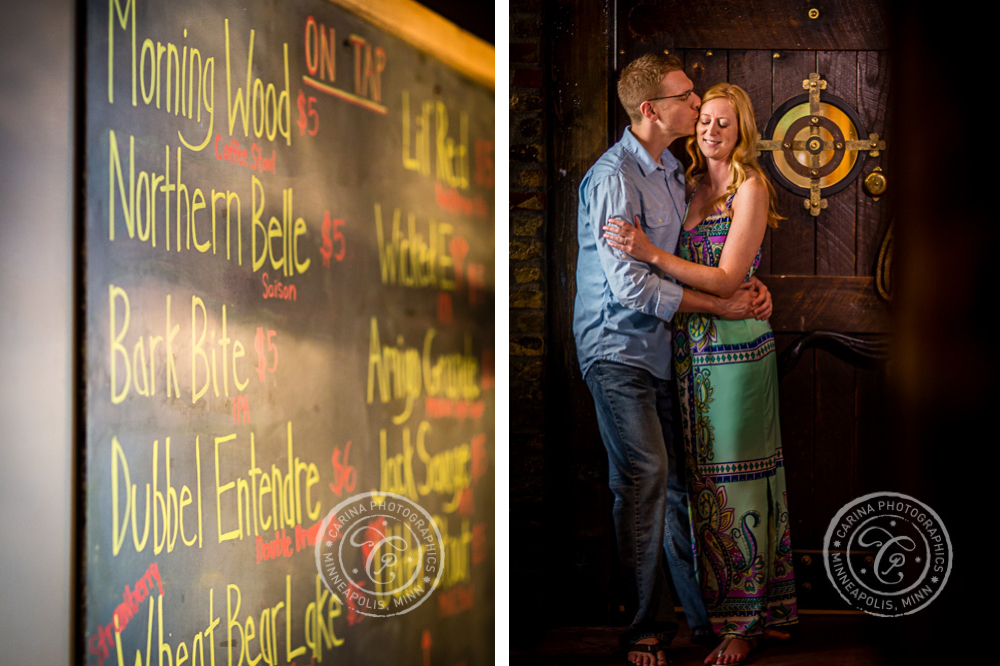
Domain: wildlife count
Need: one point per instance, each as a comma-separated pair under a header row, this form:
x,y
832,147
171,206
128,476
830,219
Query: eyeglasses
x,y
683,96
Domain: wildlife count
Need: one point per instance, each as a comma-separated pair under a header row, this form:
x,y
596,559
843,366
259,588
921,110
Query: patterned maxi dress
x,y
728,383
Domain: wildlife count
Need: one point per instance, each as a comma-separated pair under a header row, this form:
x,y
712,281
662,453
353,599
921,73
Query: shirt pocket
x,y
661,226
655,219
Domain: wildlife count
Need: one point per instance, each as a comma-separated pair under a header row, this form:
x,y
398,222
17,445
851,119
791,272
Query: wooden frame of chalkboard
x,y
428,32
287,406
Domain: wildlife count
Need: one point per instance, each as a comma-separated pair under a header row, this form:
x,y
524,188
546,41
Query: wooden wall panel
x,y
832,303
793,243
751,70
580,85
875,455
796,395
834,444
835,226
875,111
706,67
749,24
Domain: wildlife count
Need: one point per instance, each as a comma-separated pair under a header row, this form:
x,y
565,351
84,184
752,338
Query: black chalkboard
x,y
288,296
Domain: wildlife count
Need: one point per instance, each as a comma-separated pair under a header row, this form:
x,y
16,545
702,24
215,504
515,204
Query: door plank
x,y
842,304
706,67
747,24
567,458
875,112
796,396
793,243
835,455
875,455
835,226
751,70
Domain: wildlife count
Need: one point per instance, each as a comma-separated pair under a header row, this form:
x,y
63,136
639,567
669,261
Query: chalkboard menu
x,y
288,401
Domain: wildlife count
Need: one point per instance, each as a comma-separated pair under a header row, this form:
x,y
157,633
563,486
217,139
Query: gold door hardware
x,y
875,183
815,144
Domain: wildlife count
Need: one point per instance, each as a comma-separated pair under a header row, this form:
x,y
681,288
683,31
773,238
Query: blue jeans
x,y
650,509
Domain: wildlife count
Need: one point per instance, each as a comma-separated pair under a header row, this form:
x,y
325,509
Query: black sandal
x,y
649,648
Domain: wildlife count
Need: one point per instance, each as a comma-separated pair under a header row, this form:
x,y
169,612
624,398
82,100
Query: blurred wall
x,y
36,330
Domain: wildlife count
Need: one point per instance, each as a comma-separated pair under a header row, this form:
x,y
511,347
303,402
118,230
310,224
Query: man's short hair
x,y
641,79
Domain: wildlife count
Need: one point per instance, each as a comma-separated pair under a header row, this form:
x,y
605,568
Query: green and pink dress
x,y
728,382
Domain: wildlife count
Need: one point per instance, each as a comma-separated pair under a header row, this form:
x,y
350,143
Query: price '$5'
x,y
271,350
308,117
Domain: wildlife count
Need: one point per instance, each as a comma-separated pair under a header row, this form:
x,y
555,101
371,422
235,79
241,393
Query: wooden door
x,y
820,269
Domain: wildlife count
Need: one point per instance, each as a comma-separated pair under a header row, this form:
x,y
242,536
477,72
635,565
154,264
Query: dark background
x,y
474,17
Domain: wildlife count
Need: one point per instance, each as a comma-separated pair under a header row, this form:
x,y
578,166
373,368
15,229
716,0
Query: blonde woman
x,y
728,383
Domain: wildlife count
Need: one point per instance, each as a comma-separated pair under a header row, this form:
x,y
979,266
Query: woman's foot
x,y
732,650
648,652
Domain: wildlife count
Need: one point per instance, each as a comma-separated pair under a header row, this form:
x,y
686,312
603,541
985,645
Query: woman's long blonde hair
x,y
744,157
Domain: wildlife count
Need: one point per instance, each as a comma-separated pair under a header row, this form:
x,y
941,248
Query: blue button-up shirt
x,y
623,306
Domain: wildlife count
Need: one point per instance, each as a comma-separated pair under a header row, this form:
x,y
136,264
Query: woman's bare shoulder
x,y
752,191
752,187
754,180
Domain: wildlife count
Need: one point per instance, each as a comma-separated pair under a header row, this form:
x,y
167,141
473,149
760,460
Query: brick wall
x,y
528,298
527,187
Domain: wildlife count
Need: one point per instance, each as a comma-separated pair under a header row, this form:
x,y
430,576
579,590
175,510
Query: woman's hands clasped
x,y
760,302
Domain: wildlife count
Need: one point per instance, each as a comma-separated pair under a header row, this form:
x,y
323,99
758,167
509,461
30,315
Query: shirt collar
x,y
646,163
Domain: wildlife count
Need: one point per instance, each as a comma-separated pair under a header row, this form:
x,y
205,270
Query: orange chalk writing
x,y
278,289
320,42
263,354
369,63
484,162
321,50
100,643
345,477
449,199
280,546
332,235
308,116
241,410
